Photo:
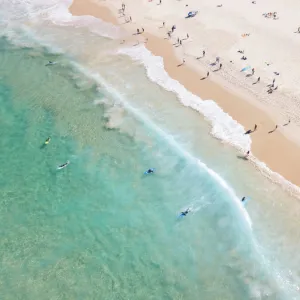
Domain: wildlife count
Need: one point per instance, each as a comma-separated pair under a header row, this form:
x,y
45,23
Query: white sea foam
x,y
223,126
293,189
56,11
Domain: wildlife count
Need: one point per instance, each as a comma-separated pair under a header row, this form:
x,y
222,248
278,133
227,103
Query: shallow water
x,y
100,226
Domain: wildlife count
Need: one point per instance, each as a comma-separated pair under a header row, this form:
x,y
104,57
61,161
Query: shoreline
x,y
268,148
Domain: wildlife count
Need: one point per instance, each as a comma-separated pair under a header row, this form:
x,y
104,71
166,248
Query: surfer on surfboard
x,y
63,165
184,213
150,171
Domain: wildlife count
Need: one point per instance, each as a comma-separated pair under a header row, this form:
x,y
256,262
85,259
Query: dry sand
x,y
280,150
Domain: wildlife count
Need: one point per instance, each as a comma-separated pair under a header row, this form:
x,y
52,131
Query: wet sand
x,y
279,152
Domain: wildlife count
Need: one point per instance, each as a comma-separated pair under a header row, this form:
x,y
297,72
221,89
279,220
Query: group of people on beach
x,y
179,42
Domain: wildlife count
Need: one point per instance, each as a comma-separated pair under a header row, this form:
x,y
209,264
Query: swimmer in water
x,y
149,171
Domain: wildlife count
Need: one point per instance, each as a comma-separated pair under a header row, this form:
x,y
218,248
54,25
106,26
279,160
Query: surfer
x,y
184,213
50,63
47,141
63,165
149,171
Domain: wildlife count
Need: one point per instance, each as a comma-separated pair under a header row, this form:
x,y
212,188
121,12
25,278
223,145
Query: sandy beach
x,y
231,89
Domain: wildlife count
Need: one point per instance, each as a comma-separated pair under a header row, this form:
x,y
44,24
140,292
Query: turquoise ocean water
x,y
100,228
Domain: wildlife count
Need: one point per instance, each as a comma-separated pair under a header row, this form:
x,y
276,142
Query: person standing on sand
x,y
287,123
220,67
247,154
187,36
180,42
255,127
143,29
253,71
207,74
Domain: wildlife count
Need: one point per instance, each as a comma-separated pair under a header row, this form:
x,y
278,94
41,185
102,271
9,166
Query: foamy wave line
x,y
56,11
223,126
291,188
141,116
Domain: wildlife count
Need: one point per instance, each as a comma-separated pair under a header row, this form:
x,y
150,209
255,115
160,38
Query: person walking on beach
x,y
207,74
257,81
253,71
183,62
143,29
250,130
247,154
203,53
220,66
273,129
180,42
287,123
187,36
